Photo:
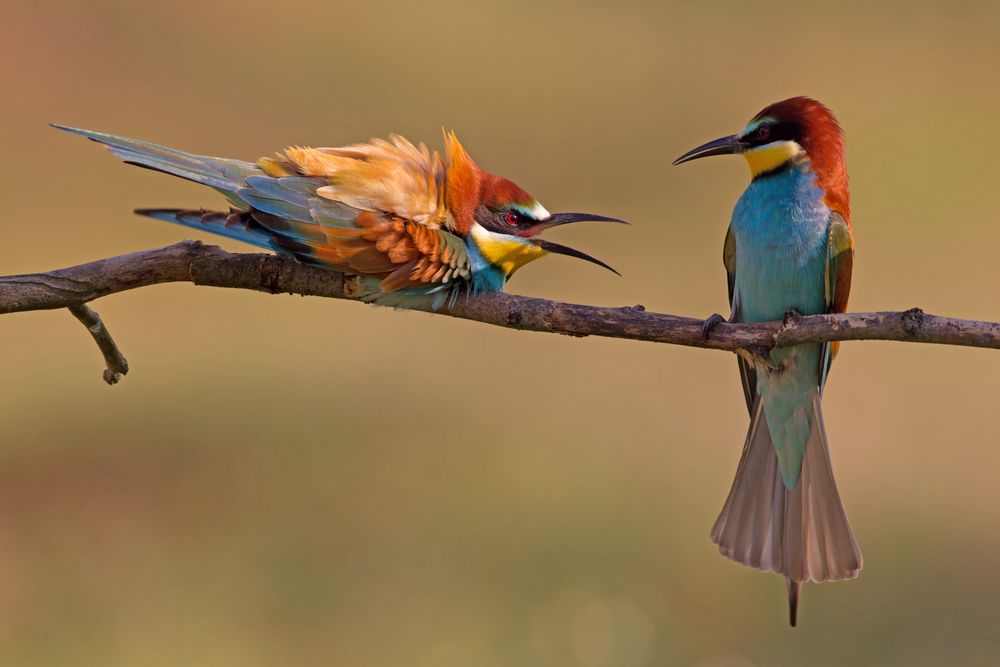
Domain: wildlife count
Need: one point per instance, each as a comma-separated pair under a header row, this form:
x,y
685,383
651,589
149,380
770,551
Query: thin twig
x,y
191,261
117,364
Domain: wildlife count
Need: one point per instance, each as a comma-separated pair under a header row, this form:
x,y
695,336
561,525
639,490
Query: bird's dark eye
x,y
763,132
510,218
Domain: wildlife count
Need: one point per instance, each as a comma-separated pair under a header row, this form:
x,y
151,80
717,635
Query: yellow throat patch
x,y
771,156
509,253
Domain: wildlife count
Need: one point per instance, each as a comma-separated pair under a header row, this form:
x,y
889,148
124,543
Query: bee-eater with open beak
x,y
415,228
789,248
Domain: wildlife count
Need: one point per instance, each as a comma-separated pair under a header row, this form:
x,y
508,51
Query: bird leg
x,y
710,323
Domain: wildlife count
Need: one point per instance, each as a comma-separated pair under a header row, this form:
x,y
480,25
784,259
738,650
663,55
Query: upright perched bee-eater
x,y
417,229
789,249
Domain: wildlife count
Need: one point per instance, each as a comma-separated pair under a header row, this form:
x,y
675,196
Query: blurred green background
x,y
289,481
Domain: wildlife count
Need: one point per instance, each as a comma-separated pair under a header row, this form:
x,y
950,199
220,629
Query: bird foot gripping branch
x,y
790,319
711,322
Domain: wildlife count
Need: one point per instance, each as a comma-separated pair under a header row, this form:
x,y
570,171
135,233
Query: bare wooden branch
x,y
117,365
195,262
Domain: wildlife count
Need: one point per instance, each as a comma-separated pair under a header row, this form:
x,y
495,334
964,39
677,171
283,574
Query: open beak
x,y
557,219
549,246
725,146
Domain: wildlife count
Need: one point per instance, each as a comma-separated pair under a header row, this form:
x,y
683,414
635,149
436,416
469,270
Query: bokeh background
x,y
286,480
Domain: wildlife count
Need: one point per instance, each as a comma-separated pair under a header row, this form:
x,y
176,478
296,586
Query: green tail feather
x,y
225,175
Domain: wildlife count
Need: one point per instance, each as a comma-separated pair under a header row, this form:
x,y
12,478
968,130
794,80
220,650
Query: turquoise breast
x,y
780,226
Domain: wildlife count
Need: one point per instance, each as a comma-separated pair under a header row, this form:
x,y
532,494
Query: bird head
x,y
796,130
500,218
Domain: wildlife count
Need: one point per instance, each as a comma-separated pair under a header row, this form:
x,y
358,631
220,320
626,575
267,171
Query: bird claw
x,y
710,323
791,318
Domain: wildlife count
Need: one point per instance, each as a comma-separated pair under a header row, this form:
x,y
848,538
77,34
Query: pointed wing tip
x,y
67,128
166,214
89,134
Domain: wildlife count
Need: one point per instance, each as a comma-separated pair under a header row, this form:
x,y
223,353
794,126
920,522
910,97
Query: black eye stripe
x,y
522,221
496,219
777,132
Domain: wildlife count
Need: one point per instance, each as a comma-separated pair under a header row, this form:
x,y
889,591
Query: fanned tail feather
x,y
801,533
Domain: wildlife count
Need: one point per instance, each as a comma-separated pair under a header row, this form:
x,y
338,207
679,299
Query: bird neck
x,y
782,208
827,162
501,252
827,168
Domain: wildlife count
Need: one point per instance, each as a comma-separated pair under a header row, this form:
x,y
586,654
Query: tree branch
x,y
192,261
117,365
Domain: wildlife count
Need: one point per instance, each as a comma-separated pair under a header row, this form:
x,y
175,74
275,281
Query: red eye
x,y
510,218
763,132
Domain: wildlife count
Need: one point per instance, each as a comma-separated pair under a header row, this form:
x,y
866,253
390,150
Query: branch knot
x,y
270,273
912,320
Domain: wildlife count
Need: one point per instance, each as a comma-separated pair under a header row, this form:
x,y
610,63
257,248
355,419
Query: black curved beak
x,y
557,219
563,218
725,146
558,249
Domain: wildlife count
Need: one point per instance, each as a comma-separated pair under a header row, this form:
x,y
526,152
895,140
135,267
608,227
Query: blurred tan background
x,y
289,481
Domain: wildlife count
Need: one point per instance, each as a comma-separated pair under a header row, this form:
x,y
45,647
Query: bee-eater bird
x,y
415,228
789,249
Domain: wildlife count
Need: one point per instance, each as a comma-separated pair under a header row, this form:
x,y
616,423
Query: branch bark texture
x,y
195,262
